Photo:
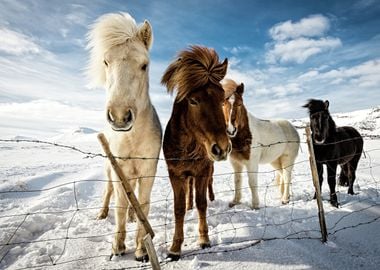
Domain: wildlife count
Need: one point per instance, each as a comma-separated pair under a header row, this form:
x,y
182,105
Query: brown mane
x,y
195,68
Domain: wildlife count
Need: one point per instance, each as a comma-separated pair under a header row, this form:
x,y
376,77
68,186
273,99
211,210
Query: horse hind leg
x,y
103,213
189,193
287,168
238,168
278,175
352,166
343,176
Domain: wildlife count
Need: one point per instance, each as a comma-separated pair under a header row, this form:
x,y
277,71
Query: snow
x,y
50,196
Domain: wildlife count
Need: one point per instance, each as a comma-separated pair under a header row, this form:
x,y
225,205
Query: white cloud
x,y
300,49
16,43
297,42
312,26
364,75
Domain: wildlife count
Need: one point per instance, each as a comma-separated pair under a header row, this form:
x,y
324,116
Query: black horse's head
x,y
320,120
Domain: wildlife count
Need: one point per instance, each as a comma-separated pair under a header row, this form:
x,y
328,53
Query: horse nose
x,y
219,153
215,150
120,121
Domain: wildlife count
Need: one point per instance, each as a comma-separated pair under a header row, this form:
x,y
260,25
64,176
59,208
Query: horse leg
x,y
320,177
287,166
331,179
144,191
343,176
189,193
201,202
352,166
278,178
103,213
252,181
211,194
238,168
179,189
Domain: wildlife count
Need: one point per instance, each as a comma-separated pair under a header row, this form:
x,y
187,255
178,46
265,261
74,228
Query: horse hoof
x,y
174,257
144,258
102,214
205,245
334,201
118,249
232,204
351,192
335,204
285,202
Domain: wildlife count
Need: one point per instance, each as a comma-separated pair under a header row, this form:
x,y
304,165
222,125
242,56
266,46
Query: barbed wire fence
x,y
226,238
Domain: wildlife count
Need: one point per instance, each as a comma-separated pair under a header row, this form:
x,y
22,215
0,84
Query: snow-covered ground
x,y
50,195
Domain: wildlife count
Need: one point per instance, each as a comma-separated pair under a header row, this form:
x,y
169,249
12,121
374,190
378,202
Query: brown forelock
x,y
229,87
194,68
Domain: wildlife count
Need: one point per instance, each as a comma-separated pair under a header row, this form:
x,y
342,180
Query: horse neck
x,y
183,137
332,127
241,143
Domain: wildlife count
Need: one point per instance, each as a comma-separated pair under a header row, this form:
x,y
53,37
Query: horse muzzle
x,y
121,123
218,154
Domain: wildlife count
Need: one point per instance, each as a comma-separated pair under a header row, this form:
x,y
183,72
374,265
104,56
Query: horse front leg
x,y
144,192
201,203
253,184
179,189
331,178
103,213
320,178
121,204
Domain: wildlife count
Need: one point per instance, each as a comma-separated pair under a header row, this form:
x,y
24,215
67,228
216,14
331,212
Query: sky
x,y
285,52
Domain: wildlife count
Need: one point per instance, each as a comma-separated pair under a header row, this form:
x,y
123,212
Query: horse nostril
x,y
128,117
110,117
215,149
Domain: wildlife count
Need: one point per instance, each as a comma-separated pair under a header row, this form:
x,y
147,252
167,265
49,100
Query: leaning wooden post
x,y
314,173
134,202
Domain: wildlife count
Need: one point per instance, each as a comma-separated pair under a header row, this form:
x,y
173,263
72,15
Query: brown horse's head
x,y
233,105
196,75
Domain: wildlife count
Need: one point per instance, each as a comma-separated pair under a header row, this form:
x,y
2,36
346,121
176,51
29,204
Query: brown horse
x,y
195,135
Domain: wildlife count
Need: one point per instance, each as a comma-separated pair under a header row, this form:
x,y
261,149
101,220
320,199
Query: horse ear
x,y
240,89
327,104
224,66
145,34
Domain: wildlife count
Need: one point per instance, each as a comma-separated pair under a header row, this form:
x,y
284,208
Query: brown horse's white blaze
x,y
195,135
248,134
120,63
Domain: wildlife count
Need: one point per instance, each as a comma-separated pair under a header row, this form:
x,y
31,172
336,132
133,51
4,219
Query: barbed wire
x,y
230,213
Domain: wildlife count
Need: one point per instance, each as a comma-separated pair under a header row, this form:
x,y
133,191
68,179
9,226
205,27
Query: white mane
x,y
108,31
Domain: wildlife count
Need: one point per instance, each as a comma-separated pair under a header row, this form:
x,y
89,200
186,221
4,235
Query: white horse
x,y
119,61
257,141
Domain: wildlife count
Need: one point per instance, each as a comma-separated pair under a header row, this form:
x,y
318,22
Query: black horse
x,y
332,146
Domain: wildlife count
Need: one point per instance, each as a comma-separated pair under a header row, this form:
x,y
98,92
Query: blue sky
x,y
284,51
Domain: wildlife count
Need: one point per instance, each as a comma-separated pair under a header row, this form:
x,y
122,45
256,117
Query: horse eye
x,y
106,63
143,67
193,101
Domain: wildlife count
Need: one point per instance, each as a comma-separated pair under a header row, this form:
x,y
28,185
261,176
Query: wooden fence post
x,y
314,173
134,202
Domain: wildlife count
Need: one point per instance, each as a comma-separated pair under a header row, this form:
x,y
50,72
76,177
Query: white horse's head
x,y
119,61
